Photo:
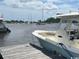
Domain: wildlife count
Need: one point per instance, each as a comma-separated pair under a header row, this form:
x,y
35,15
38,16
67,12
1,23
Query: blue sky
x,y
27,9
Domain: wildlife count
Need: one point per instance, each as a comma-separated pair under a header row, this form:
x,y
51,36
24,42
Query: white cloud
x,y
13,3
65,4
54,0
37,4
33,4
50,5
65,8
60,5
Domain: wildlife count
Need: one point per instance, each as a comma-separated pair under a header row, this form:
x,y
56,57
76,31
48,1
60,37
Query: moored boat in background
x,y
3,28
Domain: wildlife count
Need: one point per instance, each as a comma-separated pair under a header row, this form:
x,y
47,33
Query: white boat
x,y
64,41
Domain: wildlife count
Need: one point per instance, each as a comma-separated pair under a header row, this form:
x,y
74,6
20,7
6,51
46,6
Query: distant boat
x,y
3,28
40,23
64,41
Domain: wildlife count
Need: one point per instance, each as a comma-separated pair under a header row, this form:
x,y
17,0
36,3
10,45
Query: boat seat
x,y
73,32
72,37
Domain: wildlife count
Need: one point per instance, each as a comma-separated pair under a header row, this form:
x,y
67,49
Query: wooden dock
x,y
25,51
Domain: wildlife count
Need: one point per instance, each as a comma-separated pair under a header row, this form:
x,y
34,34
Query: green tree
x,y
52,20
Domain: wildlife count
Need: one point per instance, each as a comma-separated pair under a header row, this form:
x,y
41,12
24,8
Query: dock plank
x,y
25,51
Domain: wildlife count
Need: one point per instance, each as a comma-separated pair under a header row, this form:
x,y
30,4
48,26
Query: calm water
x,y
22,33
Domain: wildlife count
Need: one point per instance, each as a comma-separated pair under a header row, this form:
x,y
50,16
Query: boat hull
x,y
52,47
4,30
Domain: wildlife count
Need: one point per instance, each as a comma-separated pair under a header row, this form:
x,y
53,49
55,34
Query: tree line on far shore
x,y
48,20
15,21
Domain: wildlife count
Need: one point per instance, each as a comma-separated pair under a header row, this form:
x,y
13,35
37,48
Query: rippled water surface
x,y
22,33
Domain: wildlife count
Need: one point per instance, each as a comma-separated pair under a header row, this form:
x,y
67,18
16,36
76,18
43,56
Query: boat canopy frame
x,y
69,18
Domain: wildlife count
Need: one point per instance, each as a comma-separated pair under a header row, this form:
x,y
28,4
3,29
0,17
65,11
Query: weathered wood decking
x,y
25,51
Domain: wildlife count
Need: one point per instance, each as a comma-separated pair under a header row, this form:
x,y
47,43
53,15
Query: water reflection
x,y
2,38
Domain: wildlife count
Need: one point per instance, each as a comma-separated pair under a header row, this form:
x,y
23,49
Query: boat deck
x,y
54,37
